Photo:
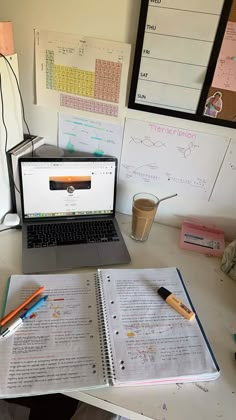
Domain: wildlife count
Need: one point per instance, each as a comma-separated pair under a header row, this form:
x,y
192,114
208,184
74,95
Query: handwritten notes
x,y
179,160
88,135
225,74
60,345
149,339
102,327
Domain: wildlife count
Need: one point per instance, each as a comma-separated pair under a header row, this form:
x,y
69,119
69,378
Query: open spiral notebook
x,y
102,328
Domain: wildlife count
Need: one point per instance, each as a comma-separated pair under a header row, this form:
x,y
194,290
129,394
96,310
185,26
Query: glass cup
x,y
143,214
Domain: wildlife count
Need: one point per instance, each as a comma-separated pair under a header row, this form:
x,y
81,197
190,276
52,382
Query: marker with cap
x,y
176,303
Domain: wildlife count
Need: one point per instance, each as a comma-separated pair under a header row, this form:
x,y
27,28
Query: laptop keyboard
x,y
45,235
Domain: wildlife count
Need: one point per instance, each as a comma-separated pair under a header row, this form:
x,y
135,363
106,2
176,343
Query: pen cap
x,y
163,292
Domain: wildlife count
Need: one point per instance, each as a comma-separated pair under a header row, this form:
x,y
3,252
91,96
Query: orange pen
x,y
15,311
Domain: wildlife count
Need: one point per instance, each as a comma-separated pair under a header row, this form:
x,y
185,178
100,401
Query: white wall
x,y
11,113
114,20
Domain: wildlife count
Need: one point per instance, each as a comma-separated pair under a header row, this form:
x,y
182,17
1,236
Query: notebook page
x,y
58,348
150,341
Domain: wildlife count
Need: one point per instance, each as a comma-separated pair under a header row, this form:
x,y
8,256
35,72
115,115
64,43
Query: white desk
x,y
214,297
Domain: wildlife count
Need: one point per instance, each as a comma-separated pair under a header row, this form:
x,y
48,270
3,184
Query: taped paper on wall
x,y
225,74
179,160
81,73
88,135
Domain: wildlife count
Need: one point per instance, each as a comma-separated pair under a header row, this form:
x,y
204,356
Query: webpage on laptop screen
x,y
52,189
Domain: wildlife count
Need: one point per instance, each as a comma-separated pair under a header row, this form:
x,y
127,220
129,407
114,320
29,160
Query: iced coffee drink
x,y
143,214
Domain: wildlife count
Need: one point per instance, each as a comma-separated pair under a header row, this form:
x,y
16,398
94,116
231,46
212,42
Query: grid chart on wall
x,y
81,73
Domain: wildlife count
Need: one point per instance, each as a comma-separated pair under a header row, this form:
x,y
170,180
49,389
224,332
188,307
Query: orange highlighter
x,y
173,301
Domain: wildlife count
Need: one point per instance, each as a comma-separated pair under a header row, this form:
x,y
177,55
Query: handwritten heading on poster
x,y
174,158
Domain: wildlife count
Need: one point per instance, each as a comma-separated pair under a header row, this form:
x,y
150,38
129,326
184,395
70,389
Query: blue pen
x,y
16,324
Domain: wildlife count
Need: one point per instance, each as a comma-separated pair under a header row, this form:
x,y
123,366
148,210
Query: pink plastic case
x,y
202,239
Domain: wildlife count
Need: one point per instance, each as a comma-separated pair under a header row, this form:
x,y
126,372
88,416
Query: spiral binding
x,y
105,341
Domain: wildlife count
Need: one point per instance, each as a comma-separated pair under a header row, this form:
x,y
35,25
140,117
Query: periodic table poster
x,y
78,73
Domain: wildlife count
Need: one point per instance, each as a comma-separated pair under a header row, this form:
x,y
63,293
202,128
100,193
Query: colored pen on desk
x,y
16,324
176,303
15,311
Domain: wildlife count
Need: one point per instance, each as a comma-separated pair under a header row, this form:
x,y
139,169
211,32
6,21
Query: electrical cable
x,y
18,87
6,132
23,116
21,100
3,118
12,227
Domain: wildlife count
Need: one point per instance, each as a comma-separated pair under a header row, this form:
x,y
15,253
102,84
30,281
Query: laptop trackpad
x,y
41,261
72,256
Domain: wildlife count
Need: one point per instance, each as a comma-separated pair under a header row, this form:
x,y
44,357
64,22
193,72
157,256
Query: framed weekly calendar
x,y
185,60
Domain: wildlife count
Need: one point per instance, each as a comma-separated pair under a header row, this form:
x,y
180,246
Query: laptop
x,y
68,214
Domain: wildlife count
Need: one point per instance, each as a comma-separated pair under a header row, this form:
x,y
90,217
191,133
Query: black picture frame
x,y
198,115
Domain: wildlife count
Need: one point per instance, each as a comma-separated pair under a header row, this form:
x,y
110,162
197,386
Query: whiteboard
x,y
176,52
179,160
174,57
224,192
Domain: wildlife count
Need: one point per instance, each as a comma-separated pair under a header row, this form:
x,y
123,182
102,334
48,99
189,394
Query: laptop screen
x,y
67,187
